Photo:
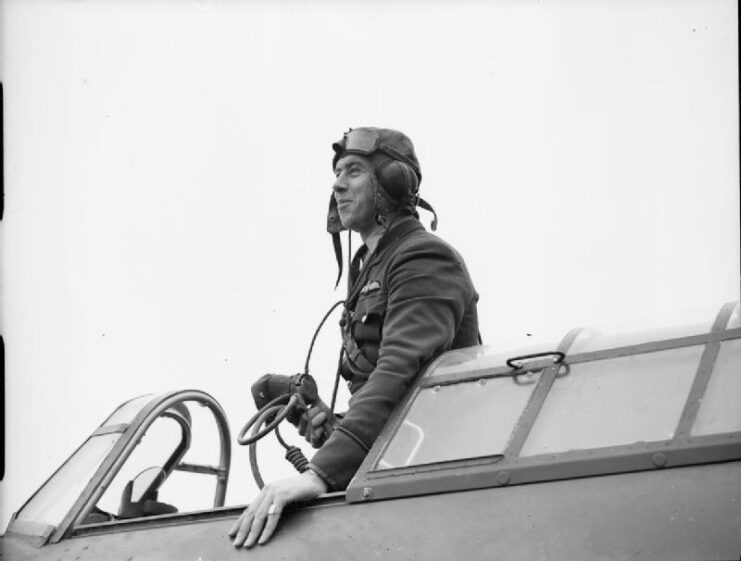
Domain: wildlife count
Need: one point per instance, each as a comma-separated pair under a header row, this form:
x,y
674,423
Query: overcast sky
x,y
168,168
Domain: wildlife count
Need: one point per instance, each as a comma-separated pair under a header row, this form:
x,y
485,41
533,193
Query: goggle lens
x,y
361,141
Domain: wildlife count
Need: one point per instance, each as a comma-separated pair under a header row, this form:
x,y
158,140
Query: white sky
x,y
168,168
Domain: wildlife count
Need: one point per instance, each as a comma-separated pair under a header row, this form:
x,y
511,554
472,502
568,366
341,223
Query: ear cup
x,y
398,180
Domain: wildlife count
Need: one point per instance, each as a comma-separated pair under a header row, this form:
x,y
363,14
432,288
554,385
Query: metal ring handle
x,y
558,357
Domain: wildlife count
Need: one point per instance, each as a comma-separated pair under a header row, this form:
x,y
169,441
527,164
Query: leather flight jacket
x,y
411,301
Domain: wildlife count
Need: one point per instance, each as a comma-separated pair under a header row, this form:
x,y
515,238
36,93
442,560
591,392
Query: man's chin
x,y
346,220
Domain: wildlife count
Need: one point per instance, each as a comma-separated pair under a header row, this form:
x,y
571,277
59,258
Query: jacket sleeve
x,y
428,293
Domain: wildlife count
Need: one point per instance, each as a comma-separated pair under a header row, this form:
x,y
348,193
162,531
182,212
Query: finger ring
x,y
273,509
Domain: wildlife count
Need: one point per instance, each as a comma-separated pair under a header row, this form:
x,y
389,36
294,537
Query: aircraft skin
x,y
671,498
651,515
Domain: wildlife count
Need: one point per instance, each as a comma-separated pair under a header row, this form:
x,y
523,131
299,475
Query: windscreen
x,y
54,500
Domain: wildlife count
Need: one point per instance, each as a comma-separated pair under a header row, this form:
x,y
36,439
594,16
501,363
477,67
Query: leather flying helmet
x,y
396,168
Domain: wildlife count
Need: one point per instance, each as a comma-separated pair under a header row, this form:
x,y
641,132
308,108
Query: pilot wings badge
x,y
372,286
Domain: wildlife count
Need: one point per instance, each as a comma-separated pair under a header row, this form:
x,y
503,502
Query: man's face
x,y
355,191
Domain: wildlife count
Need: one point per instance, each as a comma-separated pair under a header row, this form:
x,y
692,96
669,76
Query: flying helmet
x,y
396,168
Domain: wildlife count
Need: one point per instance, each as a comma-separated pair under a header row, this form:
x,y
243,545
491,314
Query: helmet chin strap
x,y
337,243
349,246
334,227
428,207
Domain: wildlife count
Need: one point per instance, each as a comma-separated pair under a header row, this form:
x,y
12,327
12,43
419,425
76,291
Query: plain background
x,y
168,169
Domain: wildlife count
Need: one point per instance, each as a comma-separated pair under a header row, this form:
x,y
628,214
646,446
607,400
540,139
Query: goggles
x,y
361,141
368,141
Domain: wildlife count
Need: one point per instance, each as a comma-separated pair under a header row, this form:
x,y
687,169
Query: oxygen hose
x,y
277,409
316,333
342,351
264,413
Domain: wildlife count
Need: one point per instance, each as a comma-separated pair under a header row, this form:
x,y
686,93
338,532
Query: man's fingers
x,y
317,437
274,513
255,529
241,528
302,424
319,419
234,528
262,515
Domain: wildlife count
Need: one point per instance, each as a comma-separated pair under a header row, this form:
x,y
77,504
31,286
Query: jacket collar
x,y
405,226
402,228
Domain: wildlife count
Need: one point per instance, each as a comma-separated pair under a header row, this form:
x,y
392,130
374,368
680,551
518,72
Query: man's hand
x,y
317,423
257,523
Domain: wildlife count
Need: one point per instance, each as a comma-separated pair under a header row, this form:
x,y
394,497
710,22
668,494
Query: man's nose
x,y
339,184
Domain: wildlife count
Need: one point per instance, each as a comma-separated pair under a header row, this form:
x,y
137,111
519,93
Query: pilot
x,y
410,298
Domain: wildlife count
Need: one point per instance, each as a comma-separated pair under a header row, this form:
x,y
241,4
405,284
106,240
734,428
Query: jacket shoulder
x,y
422,241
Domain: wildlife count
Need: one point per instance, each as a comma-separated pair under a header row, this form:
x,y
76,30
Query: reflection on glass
x,y
593,339
720,411
127,411
461,361
56,497
465,420
616,401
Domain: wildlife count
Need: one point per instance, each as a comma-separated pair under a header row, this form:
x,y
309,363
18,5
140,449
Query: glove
x,y
317,423
270,386
147,506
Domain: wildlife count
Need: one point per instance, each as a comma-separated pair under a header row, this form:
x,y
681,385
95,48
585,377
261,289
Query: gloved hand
x,y
317,423
146,506
270,386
